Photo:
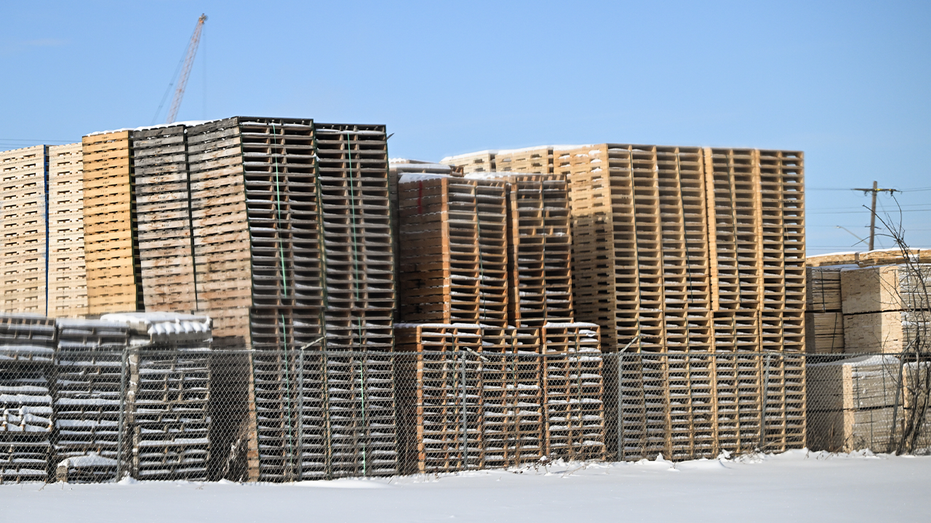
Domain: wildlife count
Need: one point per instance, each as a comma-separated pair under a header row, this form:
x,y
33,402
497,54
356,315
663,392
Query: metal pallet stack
x,y
67,288
162,198
110,235
27,350
89,399
167,406
24,250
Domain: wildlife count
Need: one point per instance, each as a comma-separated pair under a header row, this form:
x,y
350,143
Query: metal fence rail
x,y
98,414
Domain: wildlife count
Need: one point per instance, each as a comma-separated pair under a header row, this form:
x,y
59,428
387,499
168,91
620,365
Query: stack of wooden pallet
x,y
25,247
824,319
27,349
110,234
89,398
162,198
484,260
680,250
293,251
168,392
67,275
886,308
480,162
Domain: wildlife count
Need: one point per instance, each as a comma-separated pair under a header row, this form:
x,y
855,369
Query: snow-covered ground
x,y
785,488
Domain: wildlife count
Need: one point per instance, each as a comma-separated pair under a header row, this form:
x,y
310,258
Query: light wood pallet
x,y
574,391
479,162
536,160
163,213
67,289
111,252
24,247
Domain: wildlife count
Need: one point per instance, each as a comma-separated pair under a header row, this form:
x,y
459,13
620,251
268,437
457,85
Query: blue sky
x,y
846,82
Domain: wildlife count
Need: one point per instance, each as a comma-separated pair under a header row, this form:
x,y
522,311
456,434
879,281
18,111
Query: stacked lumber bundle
x,y
67,275
871,258
24,249
824,319
167,407
162,198
89,396
110,234
27,349
886,308
851,403
680,250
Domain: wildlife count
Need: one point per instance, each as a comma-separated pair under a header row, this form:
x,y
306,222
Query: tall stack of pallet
x,y
293,256
27,350
687,251
168,422
24,250
89,398
163,210
67,275
110,231
824,320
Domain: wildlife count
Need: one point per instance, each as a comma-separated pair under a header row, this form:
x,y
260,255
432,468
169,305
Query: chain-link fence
x,y
92,409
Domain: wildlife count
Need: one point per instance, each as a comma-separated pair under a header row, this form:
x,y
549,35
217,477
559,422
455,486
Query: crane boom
x,y
186,71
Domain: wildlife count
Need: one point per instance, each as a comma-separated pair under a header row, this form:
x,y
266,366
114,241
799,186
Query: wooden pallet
x,y
479,162
67,287
24,247
111,252
163,212
453,251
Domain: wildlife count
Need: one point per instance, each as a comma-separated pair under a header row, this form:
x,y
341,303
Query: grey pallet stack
x,y
359,298
27,349
293,255
89,396
163,216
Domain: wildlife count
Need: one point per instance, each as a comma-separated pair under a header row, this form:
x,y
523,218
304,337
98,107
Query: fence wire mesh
x,y
92,406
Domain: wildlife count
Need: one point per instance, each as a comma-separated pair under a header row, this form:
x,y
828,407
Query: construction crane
x,y
186,70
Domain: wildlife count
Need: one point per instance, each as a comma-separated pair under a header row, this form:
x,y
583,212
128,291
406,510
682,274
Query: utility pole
x,y
875,189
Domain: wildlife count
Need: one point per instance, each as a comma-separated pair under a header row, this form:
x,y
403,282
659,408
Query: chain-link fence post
x,y
762,444
465,416
300,414
121,420
893,444
620,406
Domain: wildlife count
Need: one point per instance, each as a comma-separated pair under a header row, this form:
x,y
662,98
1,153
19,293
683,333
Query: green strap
x,y
284,327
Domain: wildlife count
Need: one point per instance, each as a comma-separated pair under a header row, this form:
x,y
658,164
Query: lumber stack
x,y
167,415
824,319
886,308
852,403
162,197
67,275
25,247
110,233
89,398
27,348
